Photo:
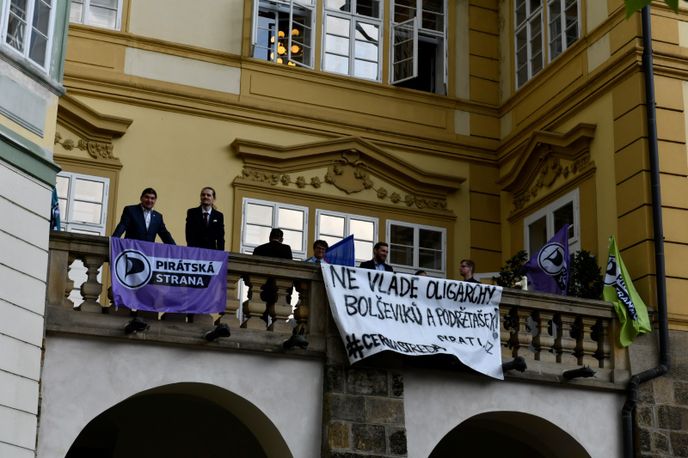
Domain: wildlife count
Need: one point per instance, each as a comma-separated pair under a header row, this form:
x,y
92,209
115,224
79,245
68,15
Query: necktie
x,y
205,218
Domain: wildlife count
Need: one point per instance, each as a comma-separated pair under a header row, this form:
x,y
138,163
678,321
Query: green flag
x,y
619,290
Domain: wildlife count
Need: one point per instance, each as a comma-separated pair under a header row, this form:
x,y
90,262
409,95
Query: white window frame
x,y
416,248
562,23
548,212
297,252
347,218
307,4
353,19
4,24
529,15
66,221
85,8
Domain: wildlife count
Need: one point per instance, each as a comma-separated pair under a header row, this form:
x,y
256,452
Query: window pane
x,y
520,12
62,186
564,215
362,230
401,235
369,8
338,45
338,5
290,219
336,64
88,190
366,50
401,255
63,210
38,48
430,259
75,11
537,234
256,235
404,10
367,32
101,17
16,25
112,4
86,212
41,17
337,26
259,214
365,69
363,250
331,225
294,239
430,239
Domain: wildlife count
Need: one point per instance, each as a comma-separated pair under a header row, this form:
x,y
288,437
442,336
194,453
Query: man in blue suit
x,y
141,222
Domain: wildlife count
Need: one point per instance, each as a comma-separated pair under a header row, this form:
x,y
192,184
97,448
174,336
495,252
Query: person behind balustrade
x,y
466,267
141,222
205,225
275,248
319,249
380,252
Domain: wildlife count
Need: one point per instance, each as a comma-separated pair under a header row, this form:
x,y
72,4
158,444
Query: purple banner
x,y
157,277
548,269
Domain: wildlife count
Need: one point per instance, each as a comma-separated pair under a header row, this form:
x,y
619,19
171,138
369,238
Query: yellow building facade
x,y
449,129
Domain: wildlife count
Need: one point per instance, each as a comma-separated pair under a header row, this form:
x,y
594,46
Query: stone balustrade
x,y
552,333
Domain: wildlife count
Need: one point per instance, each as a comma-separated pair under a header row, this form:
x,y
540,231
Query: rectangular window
x,y
563,29
333,227
27,29
283,32
414,246
83,202
98,13
352,38
541,225
529,39
563,25
259,217
419,51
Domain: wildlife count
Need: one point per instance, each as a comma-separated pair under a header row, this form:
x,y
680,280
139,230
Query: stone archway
x,y
512,434
180,420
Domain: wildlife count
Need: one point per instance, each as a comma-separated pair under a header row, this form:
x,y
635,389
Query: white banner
x,y
377,311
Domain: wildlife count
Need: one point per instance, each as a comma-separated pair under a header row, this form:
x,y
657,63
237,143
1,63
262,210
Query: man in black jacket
x,y
205,226
380,252
141,222
269,291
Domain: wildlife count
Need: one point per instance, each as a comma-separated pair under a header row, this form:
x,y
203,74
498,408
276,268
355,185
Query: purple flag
x,y
342,252
157,277
548,269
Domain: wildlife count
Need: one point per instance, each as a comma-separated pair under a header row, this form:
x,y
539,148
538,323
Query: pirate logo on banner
x,y
548,270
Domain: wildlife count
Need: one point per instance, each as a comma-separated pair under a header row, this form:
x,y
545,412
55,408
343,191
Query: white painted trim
x,y
85,7
30,6
416,261
548,212
248,248
66,221
347,228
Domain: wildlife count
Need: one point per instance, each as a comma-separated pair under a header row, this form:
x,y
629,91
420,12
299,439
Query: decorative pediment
x,y
547,161
351,165
92,130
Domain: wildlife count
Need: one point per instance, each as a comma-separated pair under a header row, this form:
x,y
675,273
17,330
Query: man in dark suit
x,y
269,291
380,252
274,248
205,226
141,222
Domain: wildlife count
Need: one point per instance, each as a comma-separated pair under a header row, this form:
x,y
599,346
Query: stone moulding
x,y
546,159
353,165
95,131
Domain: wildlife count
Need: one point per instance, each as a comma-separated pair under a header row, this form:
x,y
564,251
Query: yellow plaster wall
x,y
208,24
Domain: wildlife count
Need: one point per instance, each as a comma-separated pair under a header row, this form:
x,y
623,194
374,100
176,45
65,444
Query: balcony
x,y
552,333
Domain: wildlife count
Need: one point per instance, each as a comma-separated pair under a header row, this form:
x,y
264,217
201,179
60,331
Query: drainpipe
x,y
663,324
